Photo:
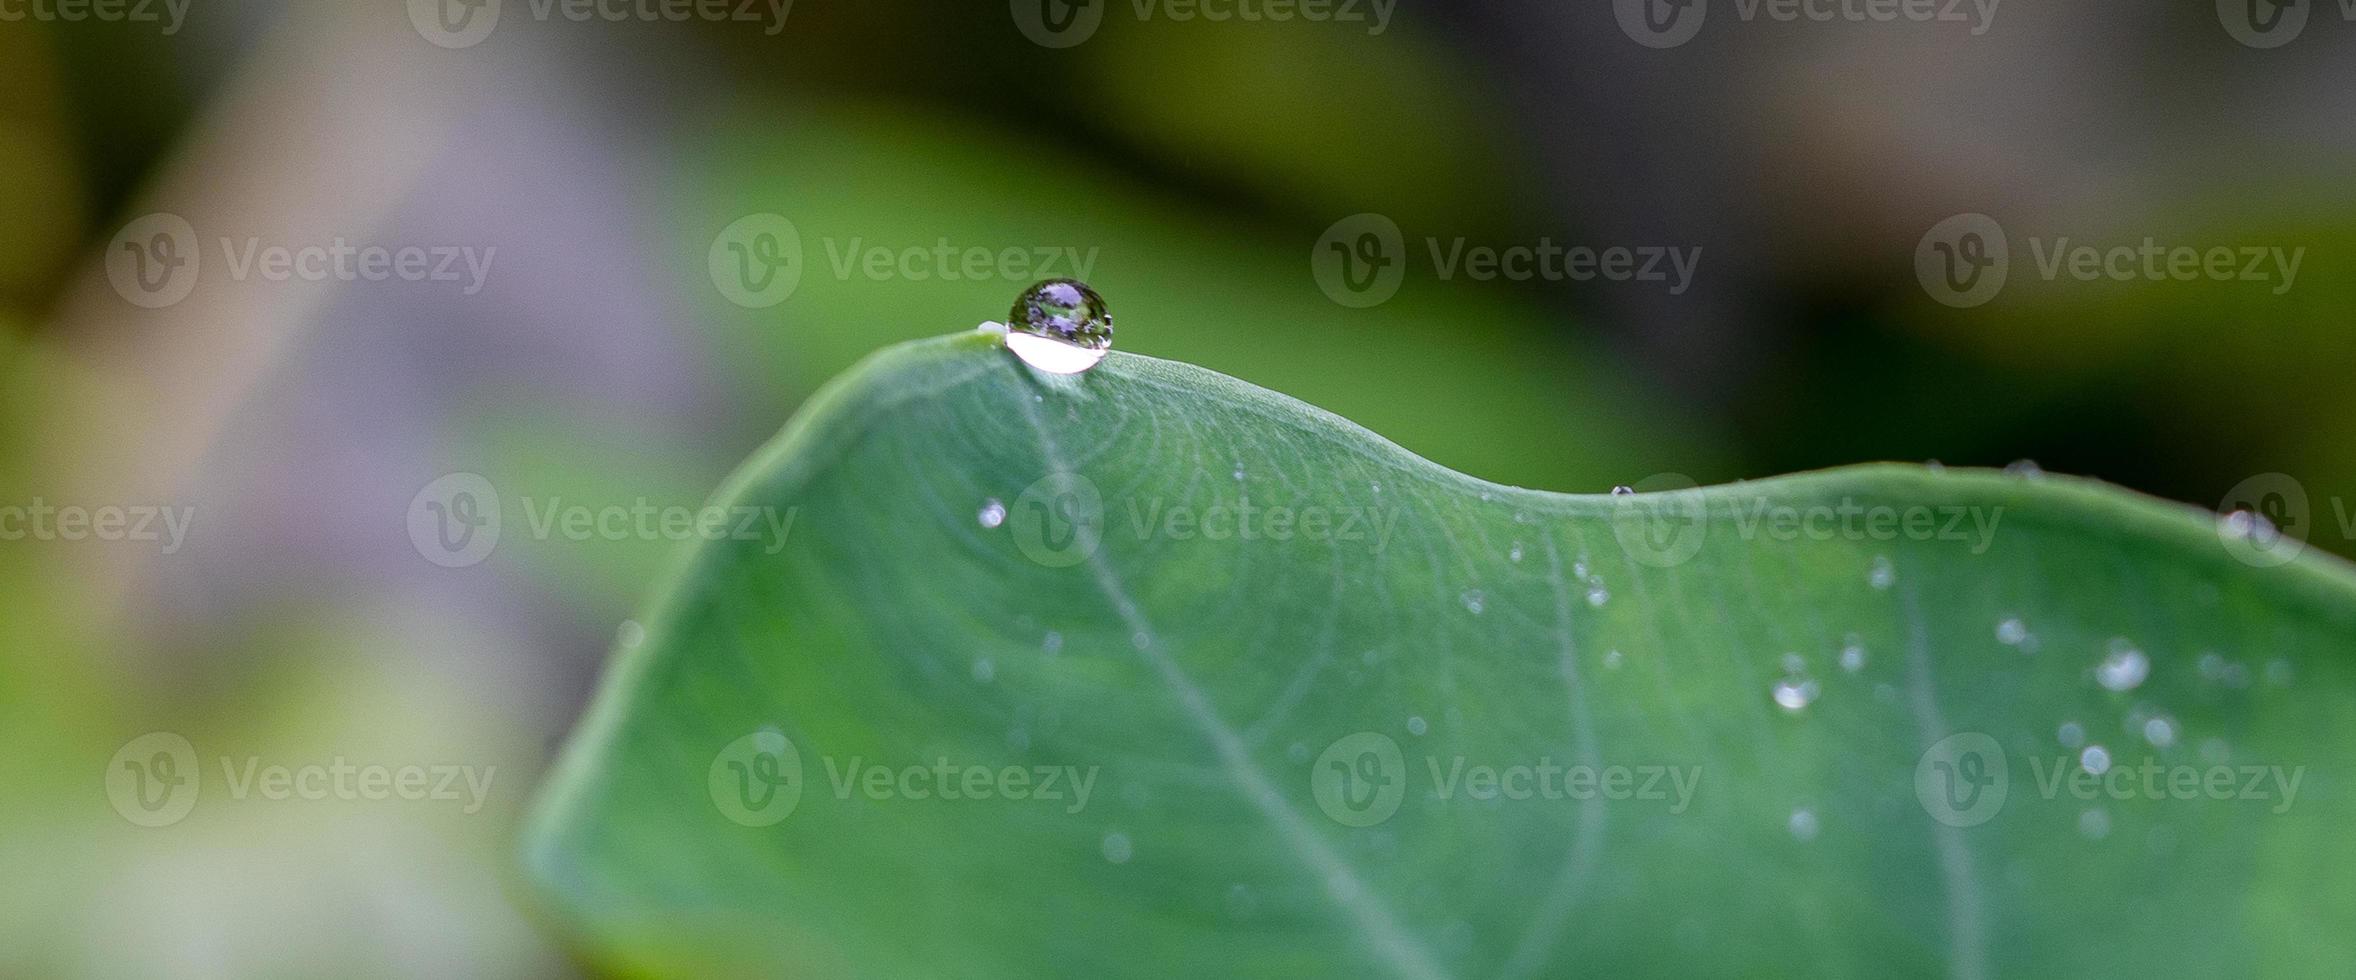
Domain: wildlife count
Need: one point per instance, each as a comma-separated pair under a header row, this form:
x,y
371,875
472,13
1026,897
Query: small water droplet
x,y
1794,694
1117,848
1881,575
1514,554
993,513
1803,824
2095,824
1597,595
984,671
1579,569
1140,640
1060,326
2071,735
2095,759
2124,668
1018,738
2160,732
2011,631
629,635
2212,666
1053,643
2249,525
1612,659
1474,601
1239,474
1853,655
2025,468
1376,487
1298,752
1623,490
1417,726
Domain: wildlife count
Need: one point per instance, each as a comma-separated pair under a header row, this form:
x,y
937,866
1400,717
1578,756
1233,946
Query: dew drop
x,y
1239,474
1597,595
1881,575
1117,848
1140,640
993,513
2095,759
1623,490
1579,569
2160,732
2124,668
629,635
1298,752
2011,631
1417,726
2249,525
1794,694
1376,487
1514,554
1803,824
2071,735
1060,326
2025,468
1612,659
1474,601
984,671
2212,666
2094,824
1853,655
1053,643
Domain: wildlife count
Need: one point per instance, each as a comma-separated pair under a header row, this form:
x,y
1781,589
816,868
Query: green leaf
x,y
1302,750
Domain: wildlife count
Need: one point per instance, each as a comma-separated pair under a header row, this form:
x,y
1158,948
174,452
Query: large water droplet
x,y
1060,326
2124,668
993,513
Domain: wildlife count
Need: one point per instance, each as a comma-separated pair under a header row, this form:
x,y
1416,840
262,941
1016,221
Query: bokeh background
x,y
1195,164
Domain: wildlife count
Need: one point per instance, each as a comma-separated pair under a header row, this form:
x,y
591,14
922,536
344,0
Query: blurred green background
x,y
1194,164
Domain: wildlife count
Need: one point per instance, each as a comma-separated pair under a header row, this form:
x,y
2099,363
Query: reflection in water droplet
x,y
2095,824
1417,726
993,513
2095,759
1881,575
1117,848
1612,659
1803,824
984,670
2071,734
2160,732
1063,310
1794,694
2011,631
1474,601
2124,668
